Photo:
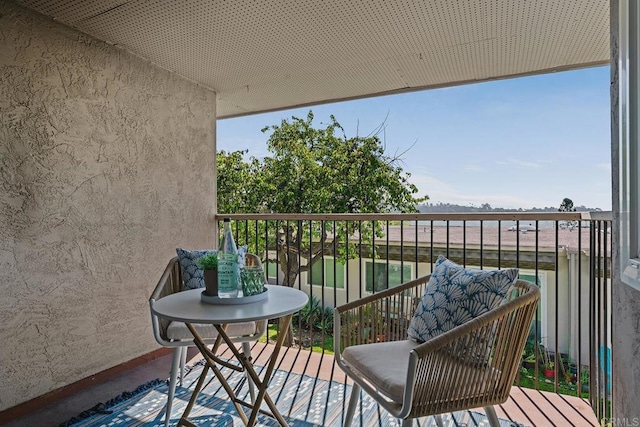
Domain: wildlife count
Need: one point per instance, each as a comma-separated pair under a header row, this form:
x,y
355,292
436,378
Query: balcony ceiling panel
x,y
267,55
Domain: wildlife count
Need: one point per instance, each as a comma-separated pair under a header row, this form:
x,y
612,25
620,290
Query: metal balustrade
x,y
338,258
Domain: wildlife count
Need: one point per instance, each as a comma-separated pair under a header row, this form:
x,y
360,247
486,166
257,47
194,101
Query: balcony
x,y
567,254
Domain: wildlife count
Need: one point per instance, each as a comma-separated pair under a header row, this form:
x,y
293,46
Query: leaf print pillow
x,y
456,295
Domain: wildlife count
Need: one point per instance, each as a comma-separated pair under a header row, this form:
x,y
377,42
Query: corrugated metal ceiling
x,y
267,55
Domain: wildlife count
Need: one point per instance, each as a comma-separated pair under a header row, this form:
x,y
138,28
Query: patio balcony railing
x,y
338,258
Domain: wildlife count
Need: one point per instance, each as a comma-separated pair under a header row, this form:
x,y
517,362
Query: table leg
x,y
262,385
210,359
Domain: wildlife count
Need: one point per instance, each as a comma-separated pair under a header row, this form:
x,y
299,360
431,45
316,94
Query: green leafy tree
x,y
566,205
238,184
313,170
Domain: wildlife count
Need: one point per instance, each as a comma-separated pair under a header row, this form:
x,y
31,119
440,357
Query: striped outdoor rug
x,y
302,400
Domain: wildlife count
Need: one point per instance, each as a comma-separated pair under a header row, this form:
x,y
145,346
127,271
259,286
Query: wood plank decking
x,y
526,406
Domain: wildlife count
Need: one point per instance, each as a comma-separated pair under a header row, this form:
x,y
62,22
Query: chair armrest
x,y
469,366
383,316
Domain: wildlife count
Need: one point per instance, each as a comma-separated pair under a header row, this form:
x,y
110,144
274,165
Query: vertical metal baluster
x,y
430,247
579,290
402,251
556,312
599,395
464,242
309,280
448,256
360,258
346,251
592,309
373,257
335,278
518,244
481,244
537,331
324,280
387,254
500,245
605,311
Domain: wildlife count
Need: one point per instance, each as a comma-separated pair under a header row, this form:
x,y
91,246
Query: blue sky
x,y
516,143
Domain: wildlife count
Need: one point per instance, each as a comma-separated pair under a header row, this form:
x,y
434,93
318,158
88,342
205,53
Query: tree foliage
x,y
566,205
238,184
312,170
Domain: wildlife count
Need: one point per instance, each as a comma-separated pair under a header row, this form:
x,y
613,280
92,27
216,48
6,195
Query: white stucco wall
x,y
106,166
570,295
567,285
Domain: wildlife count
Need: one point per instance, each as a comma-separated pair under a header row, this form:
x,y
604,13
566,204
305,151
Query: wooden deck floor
x,y
525,406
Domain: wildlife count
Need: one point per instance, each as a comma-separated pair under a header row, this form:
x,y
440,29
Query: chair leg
x,y
183,361
177,352
407,422
353,402
439,421
491,416
246,349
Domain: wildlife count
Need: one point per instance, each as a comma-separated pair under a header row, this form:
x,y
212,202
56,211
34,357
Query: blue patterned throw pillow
x,y
192,276
455,295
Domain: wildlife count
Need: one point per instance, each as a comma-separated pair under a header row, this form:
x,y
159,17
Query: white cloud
x,y
474,168
517,162
604,166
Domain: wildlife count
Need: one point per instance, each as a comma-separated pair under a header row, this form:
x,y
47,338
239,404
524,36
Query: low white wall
x,y
567,284
106,166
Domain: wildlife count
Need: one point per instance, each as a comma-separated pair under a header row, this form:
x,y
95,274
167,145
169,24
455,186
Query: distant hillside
x,y
486,207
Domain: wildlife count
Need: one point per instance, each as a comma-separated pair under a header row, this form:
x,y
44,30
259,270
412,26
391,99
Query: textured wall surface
x,y
106,165
626,300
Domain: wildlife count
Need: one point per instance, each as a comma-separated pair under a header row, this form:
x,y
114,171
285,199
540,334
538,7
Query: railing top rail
x,y
451,216
598,216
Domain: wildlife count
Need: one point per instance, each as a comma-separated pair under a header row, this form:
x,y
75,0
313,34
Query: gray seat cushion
x,y
177,331
385,366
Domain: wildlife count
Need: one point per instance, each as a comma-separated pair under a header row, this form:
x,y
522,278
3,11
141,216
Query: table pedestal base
x,y
212,362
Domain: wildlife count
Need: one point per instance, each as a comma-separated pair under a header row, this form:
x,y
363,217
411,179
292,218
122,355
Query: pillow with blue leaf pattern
x,y
455,295
192,275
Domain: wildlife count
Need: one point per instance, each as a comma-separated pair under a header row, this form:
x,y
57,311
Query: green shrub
x,y
325,322
314,317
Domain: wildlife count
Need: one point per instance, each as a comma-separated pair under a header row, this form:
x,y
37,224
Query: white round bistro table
x,y
188,308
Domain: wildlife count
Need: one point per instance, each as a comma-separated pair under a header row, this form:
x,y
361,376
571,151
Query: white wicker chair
x,y
176,334
470,366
